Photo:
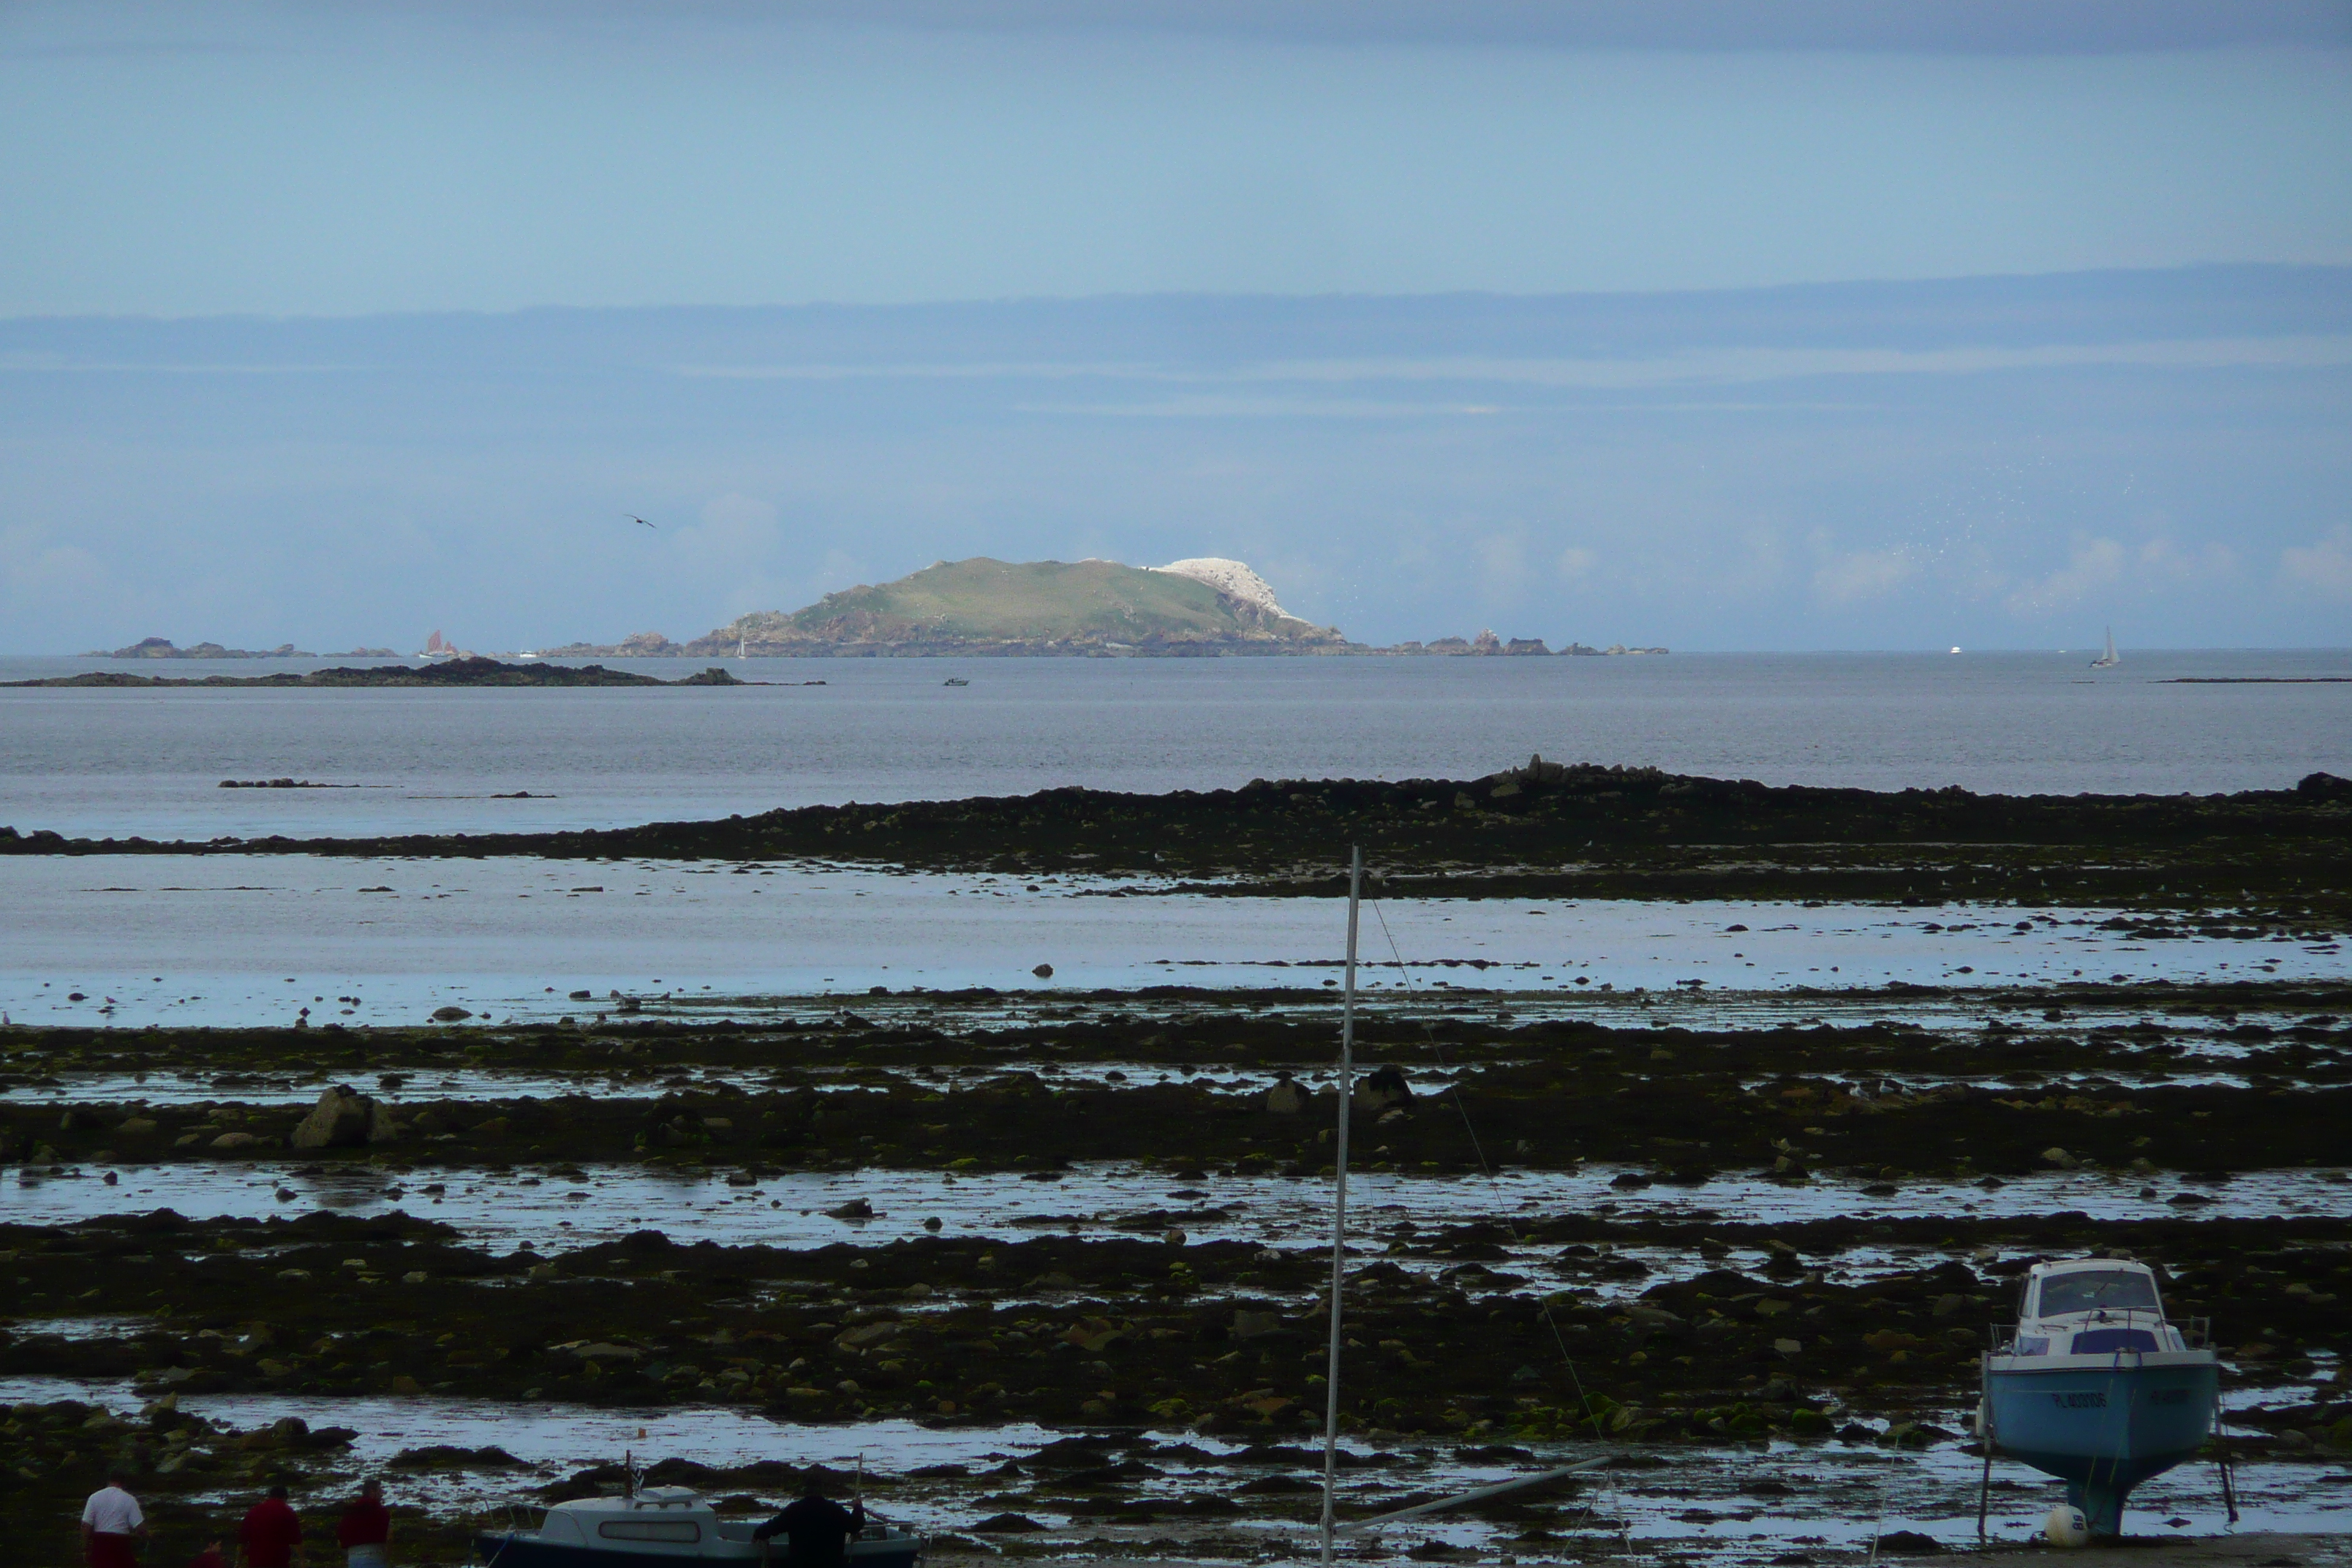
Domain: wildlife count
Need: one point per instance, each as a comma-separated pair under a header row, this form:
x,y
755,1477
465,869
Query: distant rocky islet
x,y
164,648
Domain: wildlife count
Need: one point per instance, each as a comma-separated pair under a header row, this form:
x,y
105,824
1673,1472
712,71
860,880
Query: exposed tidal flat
x,y
1055,1255
1720,1117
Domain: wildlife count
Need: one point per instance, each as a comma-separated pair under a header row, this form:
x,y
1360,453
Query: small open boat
x,y
2096,1386
661,1527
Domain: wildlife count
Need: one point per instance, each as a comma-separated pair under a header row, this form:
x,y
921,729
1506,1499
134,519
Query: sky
x,y
1822,324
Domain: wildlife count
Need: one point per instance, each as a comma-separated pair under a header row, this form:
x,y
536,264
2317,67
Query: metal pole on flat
x,y
1339,1208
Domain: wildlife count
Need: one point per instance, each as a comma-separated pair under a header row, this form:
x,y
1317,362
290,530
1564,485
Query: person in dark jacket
x,y
365,1529
818,1529
271,1533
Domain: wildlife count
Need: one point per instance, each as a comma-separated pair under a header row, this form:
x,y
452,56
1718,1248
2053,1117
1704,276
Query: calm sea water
x,y
132,762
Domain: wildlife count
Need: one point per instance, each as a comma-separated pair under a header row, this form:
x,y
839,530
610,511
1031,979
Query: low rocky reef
x,y
975,1081
1214,1337
2279,857
456,673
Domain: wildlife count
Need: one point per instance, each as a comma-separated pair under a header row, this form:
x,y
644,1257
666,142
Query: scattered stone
x,y
1910,1544
1249,1325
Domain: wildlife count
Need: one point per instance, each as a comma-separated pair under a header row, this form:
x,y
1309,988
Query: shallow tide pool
x,y
787,1209
262,940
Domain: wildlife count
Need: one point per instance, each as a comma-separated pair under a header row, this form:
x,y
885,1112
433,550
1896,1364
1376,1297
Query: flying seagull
x,y
640,522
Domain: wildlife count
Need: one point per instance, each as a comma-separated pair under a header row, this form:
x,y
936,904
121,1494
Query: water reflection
x,y
787,1209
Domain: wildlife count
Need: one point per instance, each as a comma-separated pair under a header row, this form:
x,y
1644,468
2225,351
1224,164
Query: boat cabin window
x,y
2095,1290
684,1531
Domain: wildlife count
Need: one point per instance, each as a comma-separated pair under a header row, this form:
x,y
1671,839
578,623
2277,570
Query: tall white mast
x,y
1340,1206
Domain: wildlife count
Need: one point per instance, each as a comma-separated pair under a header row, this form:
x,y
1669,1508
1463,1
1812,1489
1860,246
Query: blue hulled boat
x,y
2096,1386
662,1527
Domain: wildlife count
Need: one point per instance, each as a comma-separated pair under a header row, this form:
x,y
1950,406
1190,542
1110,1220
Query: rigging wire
x,y
1339,1217
1478,1148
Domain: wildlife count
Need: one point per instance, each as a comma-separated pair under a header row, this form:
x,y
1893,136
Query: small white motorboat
x,y
2097,1386
661,1527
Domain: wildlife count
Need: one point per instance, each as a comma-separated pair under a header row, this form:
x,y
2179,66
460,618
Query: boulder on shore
x,y
1383,1087
1286,1098
345,1119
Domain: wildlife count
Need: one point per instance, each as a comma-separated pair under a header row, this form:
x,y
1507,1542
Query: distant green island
x,y
1201,607
1204,607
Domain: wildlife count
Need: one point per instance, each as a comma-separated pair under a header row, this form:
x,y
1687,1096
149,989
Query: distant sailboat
x,y
2110,658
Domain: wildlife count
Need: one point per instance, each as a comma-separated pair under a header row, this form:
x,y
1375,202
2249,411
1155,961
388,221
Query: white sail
x,y
2110,658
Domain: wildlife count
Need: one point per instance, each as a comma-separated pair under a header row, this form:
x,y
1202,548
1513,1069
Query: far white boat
x,y
2110,658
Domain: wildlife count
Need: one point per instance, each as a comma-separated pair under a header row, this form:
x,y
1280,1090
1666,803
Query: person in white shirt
x,y
111,1525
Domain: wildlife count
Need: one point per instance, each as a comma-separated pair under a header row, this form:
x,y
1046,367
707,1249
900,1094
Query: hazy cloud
x,y
2324,567
1502,566
33,570
1863,574
472,475
731,553
2096,566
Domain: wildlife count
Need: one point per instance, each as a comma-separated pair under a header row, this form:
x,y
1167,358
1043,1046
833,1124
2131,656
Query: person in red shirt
x,y
210,1557
271,1535
366,1528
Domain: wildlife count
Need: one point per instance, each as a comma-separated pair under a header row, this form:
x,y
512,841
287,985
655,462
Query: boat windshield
x,y
2094,1290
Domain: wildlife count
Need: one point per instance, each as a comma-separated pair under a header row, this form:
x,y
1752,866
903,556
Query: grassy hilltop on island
x,y
986,601
985,605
